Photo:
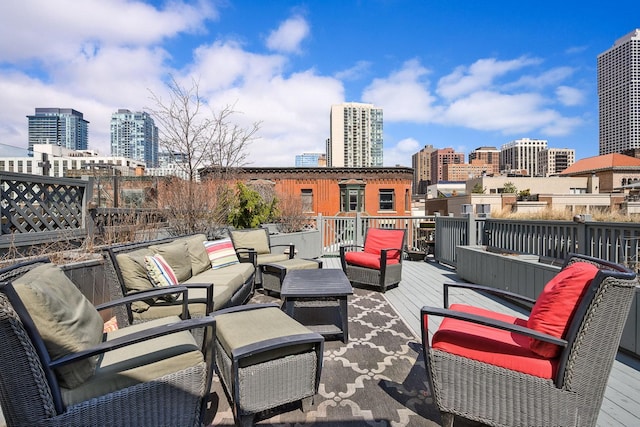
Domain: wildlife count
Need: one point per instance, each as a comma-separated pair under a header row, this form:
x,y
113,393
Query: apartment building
x,y
421,164
63,127
619,96
355,136
520,156
440,158
134,135
552,161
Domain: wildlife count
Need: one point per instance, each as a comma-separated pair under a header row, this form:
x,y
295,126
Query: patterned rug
x,y
377,379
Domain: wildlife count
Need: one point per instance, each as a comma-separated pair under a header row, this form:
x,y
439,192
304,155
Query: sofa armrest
x,y
483,288
137,337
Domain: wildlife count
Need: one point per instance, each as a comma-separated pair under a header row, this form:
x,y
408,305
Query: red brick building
x,y
341,191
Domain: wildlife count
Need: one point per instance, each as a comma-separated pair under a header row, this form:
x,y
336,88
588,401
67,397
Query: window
x,y
307,200
352,198
387,200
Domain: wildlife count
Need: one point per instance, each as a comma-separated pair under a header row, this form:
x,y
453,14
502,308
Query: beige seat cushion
x,y
138,363
199,258
271,258
65,319
235,330
256,239
177,256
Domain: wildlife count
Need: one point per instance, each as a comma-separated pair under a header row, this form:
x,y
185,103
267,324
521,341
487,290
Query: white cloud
x,y
570,96
58,30
400,154
547,78
355,72
403,95
480,75
288,36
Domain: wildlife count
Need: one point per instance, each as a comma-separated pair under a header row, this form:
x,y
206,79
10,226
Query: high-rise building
x,y
134,135
421,164
552,161
64,127
440,158
619,96
488,156
356,136
521,156
311,160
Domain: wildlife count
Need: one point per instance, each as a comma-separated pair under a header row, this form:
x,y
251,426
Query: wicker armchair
x,y
550,369
254,245
379,262
57,368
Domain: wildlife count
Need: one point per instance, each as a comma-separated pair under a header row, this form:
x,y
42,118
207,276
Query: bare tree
x,y
197,135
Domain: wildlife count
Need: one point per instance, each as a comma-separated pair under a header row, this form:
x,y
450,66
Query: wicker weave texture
x,y
370,276
501,397
270,384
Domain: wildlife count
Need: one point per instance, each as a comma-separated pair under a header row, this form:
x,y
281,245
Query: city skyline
x,y
445,75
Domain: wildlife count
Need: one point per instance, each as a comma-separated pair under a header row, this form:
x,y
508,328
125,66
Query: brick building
x,y
340,191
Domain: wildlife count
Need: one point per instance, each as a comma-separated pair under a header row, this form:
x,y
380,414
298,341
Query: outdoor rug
x,y
377,379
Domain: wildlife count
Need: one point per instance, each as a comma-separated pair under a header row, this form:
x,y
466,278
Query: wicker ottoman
x,y
265,359
273,274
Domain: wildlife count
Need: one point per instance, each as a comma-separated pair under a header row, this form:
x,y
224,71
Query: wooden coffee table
x,y
318,300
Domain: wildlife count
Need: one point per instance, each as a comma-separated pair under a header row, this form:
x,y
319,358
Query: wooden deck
x,y
422,285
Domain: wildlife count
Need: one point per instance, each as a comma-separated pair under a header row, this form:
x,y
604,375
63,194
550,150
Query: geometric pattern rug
x,y
376,379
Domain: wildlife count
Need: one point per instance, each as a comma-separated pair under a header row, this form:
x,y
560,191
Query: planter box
x,y
522,274
308,244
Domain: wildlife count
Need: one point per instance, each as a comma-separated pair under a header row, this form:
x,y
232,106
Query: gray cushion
x,y
135,276
177,256
138,363
65,319
235,330
199,258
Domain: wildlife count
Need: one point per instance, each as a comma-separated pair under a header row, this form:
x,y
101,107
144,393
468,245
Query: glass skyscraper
x,y
64,127
134,135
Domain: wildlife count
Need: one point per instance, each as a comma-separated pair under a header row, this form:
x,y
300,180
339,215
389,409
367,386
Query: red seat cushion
x,y
364,259
555,306
490,345
380,238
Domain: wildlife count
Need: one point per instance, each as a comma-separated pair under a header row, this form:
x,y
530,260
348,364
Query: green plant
x,y
478,189
250,209
509,187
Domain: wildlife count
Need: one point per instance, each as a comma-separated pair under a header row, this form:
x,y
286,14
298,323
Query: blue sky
x,y
459,74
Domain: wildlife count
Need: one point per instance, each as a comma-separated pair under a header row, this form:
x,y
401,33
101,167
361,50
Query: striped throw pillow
x,y
221,253
160,273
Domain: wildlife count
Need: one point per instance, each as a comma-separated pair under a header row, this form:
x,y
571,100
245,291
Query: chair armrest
x,y
208,287
136,337
291,246
487,321
482,288
250,253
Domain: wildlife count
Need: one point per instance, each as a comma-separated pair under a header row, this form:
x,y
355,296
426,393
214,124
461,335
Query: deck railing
x,y
614,241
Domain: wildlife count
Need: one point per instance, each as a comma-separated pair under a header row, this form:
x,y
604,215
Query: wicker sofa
x,y
209,289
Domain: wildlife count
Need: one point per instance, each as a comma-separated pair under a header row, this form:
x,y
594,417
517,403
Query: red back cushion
x,y
557,303
380,238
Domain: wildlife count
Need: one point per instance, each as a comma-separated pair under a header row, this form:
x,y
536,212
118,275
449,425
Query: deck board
x,y
422,285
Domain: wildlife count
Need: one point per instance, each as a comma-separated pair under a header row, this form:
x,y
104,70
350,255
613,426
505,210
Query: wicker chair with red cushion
x,y
548,369
379,262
